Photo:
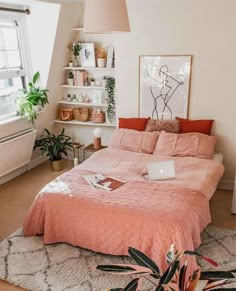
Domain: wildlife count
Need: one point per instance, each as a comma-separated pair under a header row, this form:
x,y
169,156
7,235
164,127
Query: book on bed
x,y
110,183
92,179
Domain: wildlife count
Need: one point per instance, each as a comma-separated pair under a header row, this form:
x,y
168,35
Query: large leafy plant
x,y
32,97
174,277
54,146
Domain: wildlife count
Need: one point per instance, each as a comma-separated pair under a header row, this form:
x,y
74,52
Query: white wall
x,y
206,29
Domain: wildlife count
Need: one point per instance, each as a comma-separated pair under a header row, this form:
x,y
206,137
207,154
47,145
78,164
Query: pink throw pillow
x,y
133,140
185,144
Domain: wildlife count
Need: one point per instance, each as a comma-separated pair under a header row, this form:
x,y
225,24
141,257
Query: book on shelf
x,y
110,183
92,179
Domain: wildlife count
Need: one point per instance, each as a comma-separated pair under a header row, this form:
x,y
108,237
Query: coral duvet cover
x,y
146,215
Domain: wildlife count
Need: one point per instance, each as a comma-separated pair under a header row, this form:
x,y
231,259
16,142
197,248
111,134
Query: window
x,y
13,70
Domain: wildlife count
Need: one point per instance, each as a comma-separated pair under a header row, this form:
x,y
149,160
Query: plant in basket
x,y
174,277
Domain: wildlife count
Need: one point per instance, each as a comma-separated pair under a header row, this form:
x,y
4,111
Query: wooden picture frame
x,y
87,55
164,86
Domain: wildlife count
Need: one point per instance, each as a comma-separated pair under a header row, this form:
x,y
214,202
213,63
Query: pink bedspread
x,y
146,215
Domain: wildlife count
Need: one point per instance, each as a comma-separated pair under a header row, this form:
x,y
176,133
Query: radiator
x,y
16,151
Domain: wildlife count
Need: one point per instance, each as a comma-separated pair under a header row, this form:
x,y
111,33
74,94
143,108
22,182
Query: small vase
x,y
76,61
101,62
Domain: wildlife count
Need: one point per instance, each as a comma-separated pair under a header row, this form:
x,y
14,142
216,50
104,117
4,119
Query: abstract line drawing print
x,y
165,91
164,86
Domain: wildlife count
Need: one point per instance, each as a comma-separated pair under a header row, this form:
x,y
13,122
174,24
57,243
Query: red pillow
x,y
133,123
201,125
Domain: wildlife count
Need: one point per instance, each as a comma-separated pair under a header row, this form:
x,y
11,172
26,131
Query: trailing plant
x,y
71,75
54,146
174,277
111,105
76,48
32,97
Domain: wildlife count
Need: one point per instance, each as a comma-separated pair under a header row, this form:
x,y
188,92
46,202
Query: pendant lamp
x,y
106,16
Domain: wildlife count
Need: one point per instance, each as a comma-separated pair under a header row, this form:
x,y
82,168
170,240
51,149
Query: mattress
x,y
147,215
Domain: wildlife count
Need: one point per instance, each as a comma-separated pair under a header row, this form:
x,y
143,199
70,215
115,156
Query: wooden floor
x,y
17,195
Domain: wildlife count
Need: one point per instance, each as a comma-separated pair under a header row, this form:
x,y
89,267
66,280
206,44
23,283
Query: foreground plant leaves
x,y
143,260
133,285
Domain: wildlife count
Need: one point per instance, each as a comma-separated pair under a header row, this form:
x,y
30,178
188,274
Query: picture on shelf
x,y
110,54
87,55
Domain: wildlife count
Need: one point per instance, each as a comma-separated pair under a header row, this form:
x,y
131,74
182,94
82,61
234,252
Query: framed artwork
x,y
87,55
164,86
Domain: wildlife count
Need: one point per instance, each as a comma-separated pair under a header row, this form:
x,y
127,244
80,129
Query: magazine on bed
x,y
110,183
92,179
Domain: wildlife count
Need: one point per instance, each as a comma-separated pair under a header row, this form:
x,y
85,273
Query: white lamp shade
x,y
97,132
106,16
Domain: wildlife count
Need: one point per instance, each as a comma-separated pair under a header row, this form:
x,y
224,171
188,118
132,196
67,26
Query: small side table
x,y
89,150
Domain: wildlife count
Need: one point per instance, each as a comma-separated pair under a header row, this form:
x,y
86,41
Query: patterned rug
x,y
28,263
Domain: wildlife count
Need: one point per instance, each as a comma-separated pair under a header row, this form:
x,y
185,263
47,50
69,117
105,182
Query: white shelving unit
x,y
86,123
95,72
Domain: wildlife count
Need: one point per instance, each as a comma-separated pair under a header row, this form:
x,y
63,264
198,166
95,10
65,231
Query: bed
x,y
147,215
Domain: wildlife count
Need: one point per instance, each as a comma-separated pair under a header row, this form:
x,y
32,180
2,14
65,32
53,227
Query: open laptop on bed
x,y
160,170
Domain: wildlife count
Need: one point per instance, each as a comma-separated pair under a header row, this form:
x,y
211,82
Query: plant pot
x,y
57,166
93,83
70,82
101,62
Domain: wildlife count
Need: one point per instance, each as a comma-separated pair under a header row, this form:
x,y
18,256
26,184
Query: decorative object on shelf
x,y
81,113
104,81
76,49
70,80
81,98
92,82
98,83
101,56
164,86
98,116
54,147
111,105
110,55
74,97
97,134
87,99
70,64
33,100
87,55
68,97
106,16
65,114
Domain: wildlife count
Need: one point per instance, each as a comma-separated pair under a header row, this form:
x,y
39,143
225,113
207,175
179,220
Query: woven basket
x,y
65,114
81,113
98,117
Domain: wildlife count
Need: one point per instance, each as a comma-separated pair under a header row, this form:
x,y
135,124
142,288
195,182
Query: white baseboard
x,y
226,185
33,163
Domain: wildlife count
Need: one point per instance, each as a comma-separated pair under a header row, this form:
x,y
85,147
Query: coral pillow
x,y
185,144
133,140
169,125
133,123
202,125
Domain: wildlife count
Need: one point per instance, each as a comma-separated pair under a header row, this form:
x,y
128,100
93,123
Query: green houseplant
x,y
33,96
54,147
111,105
174,277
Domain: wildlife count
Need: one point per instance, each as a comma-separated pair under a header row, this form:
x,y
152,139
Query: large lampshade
x,y
106,16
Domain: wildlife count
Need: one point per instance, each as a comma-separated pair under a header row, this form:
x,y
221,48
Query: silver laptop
x,y
161,170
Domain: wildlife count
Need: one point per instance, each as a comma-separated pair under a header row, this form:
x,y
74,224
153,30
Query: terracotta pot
x,y
57,166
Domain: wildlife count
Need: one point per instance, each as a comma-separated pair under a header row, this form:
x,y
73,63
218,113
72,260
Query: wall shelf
x,y
84,87
88,104
87,123
78,29
88,68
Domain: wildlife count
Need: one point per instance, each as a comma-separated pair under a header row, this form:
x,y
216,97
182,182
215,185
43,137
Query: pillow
x,y
169,125
202,125
133,123
133,140
185,144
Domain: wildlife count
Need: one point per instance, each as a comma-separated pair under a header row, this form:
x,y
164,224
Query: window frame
x,y
26,72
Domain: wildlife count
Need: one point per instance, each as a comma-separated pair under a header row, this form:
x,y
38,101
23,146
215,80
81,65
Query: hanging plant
x,y
110,90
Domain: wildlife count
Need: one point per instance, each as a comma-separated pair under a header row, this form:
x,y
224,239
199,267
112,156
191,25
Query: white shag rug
x,y
28,263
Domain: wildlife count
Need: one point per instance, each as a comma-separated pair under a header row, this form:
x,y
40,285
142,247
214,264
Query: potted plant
x,y
33,100
174,278
101,56
70,79
54,147
111,105
92,82
76,48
